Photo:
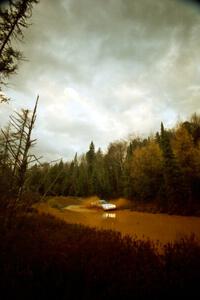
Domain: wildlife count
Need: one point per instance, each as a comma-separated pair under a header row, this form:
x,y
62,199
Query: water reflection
x,y
110,215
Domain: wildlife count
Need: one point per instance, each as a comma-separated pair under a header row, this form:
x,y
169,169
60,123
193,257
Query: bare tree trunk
x,y
25,157
18,145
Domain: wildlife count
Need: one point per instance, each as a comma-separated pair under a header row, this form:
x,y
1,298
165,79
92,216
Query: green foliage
x,y
114,165
13,18
174,185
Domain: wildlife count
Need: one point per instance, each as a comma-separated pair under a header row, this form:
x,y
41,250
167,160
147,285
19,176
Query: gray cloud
x,y
105,69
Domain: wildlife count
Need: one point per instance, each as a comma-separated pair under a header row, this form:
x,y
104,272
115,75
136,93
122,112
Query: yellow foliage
x,y
147,170
187,154
147,159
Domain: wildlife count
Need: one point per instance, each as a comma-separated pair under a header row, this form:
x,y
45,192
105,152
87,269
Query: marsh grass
x,y
42,257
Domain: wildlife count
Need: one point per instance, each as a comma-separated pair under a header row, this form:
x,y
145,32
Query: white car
x,y
104,205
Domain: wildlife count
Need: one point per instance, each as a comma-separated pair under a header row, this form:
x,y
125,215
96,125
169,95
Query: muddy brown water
x,y
157,227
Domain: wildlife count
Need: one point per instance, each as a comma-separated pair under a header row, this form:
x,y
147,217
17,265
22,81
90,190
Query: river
x,y
157,227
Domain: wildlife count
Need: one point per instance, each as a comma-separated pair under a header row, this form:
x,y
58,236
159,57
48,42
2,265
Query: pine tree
x,y
90,157
83,188
101,180
174,186
73,177
13,19
114,165
127,179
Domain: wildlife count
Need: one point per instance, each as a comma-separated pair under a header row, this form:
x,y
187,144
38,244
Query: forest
x,y
163,168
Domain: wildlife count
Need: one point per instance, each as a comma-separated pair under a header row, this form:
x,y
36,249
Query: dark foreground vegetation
x,y
42,257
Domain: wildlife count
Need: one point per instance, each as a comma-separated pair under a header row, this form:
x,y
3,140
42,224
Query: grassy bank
x,y
42,257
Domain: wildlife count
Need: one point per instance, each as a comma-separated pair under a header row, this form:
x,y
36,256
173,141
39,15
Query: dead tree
x,y
19,144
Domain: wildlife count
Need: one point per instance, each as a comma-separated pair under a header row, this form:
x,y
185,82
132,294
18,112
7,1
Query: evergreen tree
x,y
188,156
13,18
73,177
35,179
127,180
83,186
90,157
174,186
114,164
101,179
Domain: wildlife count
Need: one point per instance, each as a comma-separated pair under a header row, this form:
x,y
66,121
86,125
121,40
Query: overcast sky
x,y
105,69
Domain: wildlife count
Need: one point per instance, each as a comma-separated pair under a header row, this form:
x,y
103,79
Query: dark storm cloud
x,y
91,34
69,34
109,65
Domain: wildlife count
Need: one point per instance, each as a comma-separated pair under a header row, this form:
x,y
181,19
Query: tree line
x,y
164,168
